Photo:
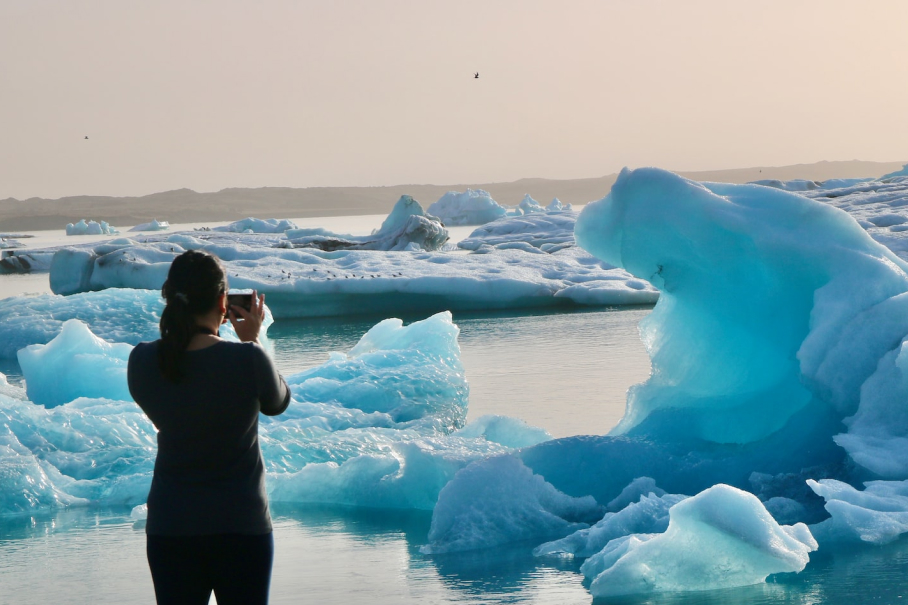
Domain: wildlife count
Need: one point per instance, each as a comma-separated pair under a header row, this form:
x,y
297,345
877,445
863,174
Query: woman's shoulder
x,y
144,349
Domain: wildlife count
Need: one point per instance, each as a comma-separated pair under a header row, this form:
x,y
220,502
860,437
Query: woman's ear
x,y
222,306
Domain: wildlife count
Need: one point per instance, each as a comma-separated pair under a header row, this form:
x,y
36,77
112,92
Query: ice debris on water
x,y
376,426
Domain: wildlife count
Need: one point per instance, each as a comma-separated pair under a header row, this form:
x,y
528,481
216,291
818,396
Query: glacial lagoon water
x,y
566,372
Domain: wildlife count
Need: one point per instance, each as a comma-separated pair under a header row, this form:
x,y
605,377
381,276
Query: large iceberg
x,y
407,227
472,207
879,205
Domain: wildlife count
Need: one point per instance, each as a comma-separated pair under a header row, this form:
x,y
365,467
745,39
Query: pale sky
x,y
230,93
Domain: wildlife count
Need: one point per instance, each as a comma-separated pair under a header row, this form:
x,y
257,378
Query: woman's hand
x,y
248,323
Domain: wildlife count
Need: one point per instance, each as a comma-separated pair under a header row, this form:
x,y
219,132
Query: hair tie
x,y
182,297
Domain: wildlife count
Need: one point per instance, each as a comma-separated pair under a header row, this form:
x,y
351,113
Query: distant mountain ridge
x,y
188,206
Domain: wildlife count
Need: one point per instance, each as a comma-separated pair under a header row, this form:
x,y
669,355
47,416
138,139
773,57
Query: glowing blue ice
x,y
378,426
75,364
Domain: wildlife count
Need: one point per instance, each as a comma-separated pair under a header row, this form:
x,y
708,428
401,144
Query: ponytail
x,y
195,281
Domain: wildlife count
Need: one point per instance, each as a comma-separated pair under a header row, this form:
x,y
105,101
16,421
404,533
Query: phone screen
x,y
240,300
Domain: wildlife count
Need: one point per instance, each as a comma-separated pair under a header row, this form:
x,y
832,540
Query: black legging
x,y
185,569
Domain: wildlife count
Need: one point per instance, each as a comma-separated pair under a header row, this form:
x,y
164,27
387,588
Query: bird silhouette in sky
x,y
476,75
86,137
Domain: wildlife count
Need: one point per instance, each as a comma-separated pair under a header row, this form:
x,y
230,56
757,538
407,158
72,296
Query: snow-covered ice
x,y
549,232
308,282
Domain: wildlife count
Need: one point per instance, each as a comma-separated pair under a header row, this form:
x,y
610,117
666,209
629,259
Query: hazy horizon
x,y
212,95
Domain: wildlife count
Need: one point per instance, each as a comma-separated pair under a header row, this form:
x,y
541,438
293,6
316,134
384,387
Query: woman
x,y
208,522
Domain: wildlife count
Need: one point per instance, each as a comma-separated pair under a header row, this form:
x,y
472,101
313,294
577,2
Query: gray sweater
x,y
209,477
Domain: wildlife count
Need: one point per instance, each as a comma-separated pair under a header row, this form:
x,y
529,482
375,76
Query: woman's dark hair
x,y
195,281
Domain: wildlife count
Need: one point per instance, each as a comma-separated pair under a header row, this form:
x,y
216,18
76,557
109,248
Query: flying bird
x,y
86,136
476,75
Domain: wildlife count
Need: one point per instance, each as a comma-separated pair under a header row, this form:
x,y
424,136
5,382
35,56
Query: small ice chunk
x,y
720,538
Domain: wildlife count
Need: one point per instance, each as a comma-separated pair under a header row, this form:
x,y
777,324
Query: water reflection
x,y
343,555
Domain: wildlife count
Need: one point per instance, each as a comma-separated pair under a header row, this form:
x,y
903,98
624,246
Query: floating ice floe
x,y
8,243
472,207
154,225
257,225
90,228
407,227
308,282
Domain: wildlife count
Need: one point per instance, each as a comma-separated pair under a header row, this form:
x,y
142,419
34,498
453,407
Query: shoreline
x,y
187,206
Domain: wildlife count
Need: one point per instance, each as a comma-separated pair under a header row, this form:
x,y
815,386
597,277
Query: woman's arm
x,y
273,392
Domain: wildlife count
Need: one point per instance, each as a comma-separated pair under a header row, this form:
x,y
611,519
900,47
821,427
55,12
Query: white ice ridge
x,y
878,514
257,225
880,205
308,282
720,538
407,227
90,228
547,232
378,426
115,315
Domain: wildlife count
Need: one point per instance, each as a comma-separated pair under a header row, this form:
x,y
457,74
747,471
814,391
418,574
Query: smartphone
x,y
239,299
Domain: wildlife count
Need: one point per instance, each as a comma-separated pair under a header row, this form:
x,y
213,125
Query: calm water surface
x,y
566,372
